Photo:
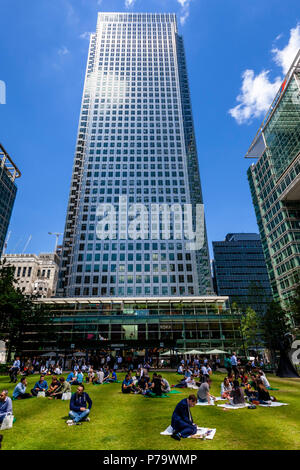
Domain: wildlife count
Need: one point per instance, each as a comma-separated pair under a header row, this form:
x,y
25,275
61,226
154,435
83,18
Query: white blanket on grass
x,y
205,403
200,432
275,403
234,407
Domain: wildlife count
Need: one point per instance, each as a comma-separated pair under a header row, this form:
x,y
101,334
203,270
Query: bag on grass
x,y
7,423
41,394
66,396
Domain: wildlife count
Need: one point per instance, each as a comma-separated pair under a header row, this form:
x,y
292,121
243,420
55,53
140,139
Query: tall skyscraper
x,y
275,185
135,145
8,189
240,271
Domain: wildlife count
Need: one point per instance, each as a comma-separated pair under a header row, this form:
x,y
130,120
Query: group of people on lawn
x,y
255,390
141,383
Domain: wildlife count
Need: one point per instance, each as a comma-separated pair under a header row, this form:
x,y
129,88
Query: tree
x,y
251,327
277,332
294,306
19,313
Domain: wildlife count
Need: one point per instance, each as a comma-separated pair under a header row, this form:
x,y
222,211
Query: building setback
x,y
135,141
8,189
35,274
275,185
240,271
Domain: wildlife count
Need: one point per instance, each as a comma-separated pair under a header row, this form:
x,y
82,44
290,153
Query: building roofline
x,y
251,153
135,300
7,163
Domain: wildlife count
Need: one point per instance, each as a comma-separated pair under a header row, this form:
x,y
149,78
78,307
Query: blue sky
x,y
237,54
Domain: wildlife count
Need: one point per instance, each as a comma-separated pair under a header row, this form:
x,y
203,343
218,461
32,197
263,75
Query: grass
x,y
132,422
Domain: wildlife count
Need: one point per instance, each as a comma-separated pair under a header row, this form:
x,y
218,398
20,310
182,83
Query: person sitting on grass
x,y
128,385
79,378
80,406
203,394
99,377
236,396
19,392
5,405
71,377
54,386
180,370
165,385
40,386
182,421
63,387
113,377
262,395
225,388
142,386
156,385
263,378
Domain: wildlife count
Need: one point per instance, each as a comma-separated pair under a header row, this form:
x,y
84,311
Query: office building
x,y
240,271
8,189
127,324
135,146
35,274
275,185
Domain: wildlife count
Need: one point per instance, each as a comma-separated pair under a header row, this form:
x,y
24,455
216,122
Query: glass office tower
x,y
135,145
240,271
8,189
275,185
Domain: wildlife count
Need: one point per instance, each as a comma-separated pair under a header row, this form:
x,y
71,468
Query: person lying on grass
x,y
203,394
182,421
19,392
80,406
40,386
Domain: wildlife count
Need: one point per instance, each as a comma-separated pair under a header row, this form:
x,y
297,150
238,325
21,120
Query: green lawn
x,y
134,422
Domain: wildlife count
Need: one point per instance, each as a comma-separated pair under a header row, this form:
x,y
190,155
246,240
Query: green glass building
x,y
275,185
136,323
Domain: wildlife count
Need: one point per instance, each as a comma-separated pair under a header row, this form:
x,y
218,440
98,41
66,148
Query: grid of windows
x,y
131,142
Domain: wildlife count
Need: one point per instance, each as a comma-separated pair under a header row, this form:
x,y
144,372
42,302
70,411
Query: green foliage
x,y
294,306
275,325
18,312
251,326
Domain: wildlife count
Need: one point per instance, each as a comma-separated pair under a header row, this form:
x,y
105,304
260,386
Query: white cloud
x,y
185,10
85,35
63,51
258,91
285,57
129,3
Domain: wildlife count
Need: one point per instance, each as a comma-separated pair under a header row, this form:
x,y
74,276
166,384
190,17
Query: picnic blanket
x,y
205,403
207,433
153,395
174,391
234,407
275,403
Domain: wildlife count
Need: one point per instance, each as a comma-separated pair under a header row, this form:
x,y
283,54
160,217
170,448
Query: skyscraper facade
x,y
135,153
275,185
8,189
240,271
